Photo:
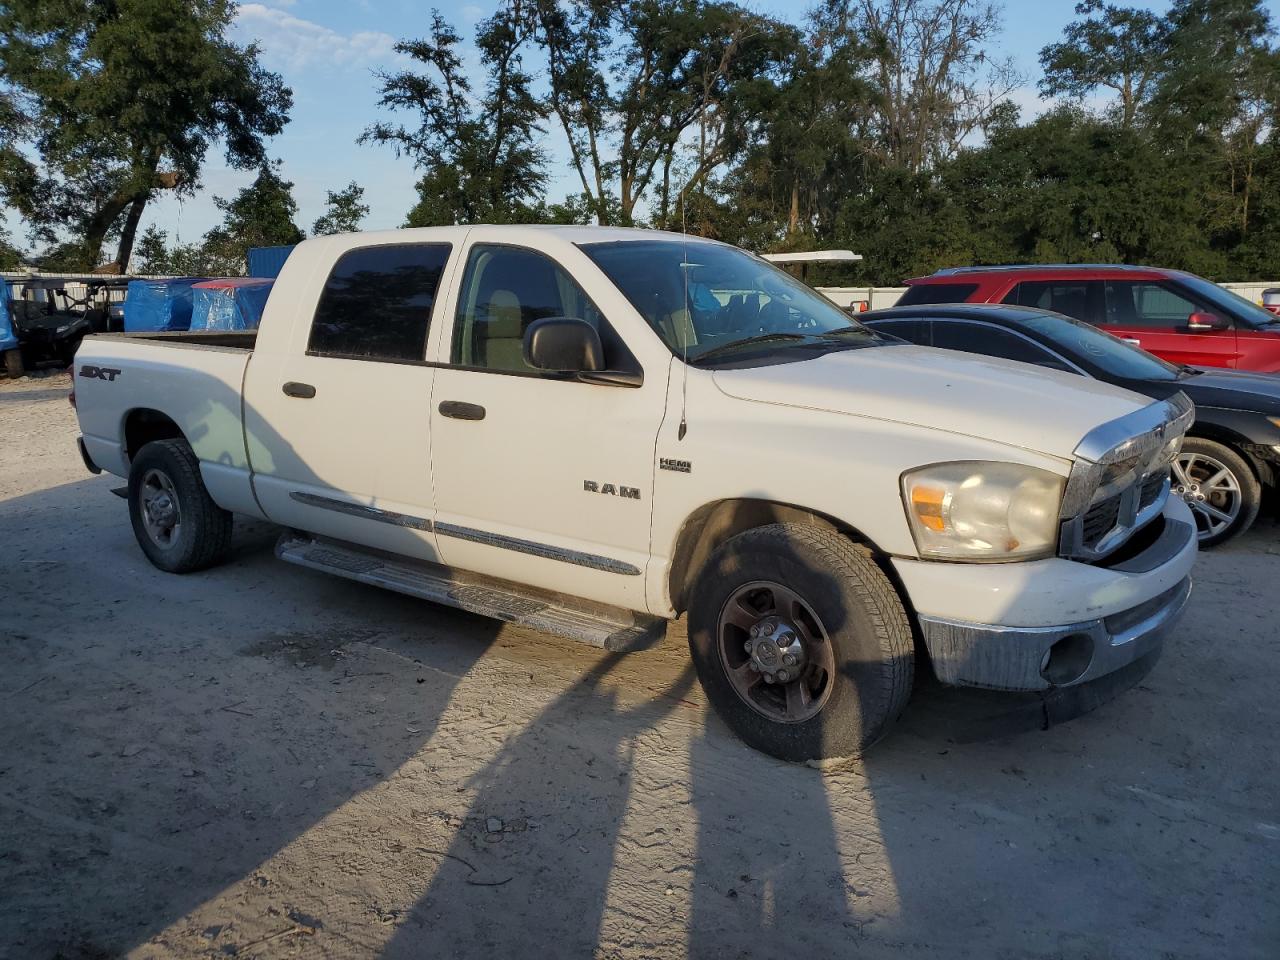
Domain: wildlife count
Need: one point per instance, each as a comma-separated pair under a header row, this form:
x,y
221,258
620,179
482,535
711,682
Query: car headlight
x,y
983,511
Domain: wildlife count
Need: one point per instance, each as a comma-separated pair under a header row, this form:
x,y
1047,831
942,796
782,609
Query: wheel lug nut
x,y
768,678
782,676
789,660
747,646
751,665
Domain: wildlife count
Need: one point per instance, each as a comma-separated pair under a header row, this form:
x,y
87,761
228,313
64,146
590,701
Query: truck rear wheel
x,y
176,522
13,365
801,642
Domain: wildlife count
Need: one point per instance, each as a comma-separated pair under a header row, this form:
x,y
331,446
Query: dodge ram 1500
x,y
593,431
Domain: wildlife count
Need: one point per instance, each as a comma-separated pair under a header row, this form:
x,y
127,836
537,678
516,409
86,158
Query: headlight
x,y
976,510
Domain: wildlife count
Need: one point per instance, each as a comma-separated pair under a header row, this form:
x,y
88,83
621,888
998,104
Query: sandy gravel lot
x,y
261,761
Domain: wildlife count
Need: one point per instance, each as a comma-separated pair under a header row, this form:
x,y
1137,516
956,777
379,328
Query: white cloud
x,y
295,43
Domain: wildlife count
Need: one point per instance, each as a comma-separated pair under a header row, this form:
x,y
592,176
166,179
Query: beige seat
x,y
503,345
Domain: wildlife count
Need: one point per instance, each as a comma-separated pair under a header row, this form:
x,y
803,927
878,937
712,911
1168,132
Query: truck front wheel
x,y
177,524
801,642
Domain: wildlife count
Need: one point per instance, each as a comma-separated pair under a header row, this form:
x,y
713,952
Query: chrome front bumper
x,y
1041,658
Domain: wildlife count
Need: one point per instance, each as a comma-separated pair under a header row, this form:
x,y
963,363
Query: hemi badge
x,y
679,466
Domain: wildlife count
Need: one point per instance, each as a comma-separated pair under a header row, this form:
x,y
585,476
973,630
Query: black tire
x,y
202,534
1211,530
857,608
13,365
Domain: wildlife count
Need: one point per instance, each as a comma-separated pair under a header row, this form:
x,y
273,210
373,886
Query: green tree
x,y
345,209
10,256
480,158
260,215
630,80
1121,49
151,255
116,100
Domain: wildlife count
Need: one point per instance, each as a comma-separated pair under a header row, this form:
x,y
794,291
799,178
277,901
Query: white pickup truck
x,y
593,431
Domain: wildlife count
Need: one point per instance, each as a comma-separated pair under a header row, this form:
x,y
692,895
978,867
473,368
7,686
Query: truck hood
x,y
1043,410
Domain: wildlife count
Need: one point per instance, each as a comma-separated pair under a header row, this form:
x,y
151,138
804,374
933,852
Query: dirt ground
x,y
261,761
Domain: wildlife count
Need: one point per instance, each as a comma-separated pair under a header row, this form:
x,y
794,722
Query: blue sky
x,y
328,50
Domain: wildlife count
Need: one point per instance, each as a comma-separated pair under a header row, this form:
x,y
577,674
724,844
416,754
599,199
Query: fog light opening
x,y
1068,659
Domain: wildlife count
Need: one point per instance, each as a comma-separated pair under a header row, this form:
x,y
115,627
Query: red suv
x,y
1178,316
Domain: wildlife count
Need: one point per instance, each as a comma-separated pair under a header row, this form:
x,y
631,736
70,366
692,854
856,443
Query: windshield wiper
x,y
747,342
1185,371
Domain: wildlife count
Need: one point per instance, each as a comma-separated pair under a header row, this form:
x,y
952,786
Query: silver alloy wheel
x,y
1211,490
775,652
161,515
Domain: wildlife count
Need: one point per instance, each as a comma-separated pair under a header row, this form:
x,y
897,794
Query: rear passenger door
x,y
337,414
1077,298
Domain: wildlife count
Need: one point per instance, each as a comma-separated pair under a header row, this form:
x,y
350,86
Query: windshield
x,y
1233,303
730,297
1109,354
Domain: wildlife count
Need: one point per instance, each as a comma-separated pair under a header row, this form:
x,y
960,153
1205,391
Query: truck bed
x,y
129,385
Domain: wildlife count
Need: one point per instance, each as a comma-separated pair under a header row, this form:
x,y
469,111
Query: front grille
x,y
1151,488
1100,520
1120,510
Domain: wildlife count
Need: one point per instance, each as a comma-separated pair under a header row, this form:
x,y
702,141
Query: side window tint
x,y
991,342
1070,297
936,293
504,291
1140,303
914,331
376,304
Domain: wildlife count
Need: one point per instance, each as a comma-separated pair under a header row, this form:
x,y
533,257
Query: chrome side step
x,y
612,628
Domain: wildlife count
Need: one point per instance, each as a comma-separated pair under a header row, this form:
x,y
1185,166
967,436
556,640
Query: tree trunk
x,y
125,249
95,231
793,221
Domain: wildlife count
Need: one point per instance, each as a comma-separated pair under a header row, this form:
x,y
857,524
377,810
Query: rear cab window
x,y
936,293
377,302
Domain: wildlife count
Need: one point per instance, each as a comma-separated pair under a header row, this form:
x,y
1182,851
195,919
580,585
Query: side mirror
x,y
1206,322
563,345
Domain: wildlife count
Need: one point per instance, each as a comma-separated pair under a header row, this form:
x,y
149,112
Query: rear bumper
x,y
84,455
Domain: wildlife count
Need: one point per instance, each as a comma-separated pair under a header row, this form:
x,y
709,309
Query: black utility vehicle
x,y
51,315
1231,451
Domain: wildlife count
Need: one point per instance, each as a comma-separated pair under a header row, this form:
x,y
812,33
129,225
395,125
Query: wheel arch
x,y
1239,444
143,425
715,522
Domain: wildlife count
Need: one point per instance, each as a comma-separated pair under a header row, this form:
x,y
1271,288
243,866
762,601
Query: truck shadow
x,y
160,745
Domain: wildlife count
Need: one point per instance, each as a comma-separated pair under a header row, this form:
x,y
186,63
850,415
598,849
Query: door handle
x,y
458,410
1134,341
303,391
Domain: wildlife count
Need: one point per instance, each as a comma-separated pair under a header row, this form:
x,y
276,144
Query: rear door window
x,y
992,341
936,293
376,304
1075,298
913,330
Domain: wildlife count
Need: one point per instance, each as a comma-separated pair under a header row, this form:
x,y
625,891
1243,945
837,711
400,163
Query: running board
x,y
611,628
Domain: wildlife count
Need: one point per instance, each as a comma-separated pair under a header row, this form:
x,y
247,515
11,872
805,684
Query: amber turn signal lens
x,y
927,503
